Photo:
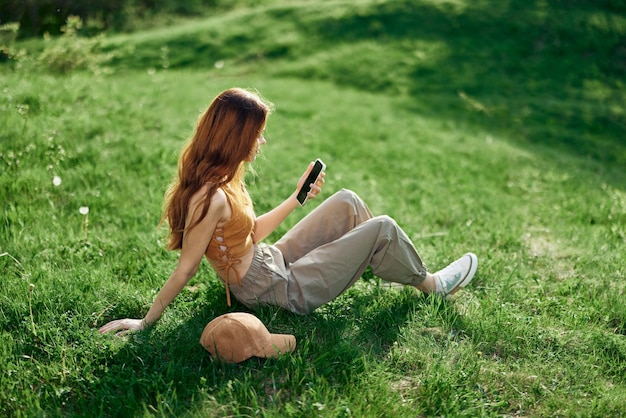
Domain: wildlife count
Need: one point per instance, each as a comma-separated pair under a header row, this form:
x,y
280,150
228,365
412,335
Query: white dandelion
x,y
84,210
56,181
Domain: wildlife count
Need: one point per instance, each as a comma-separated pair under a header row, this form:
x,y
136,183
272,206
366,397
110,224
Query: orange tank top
x,y
234,239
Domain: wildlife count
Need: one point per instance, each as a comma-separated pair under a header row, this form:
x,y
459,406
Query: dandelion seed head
x,y
84,210
56,181
219,64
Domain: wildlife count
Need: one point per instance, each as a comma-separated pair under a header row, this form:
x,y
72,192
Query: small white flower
x,y
56,181
84,210
219,64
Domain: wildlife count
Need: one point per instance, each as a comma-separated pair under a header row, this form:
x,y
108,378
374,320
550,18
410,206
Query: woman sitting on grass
x,y
210,214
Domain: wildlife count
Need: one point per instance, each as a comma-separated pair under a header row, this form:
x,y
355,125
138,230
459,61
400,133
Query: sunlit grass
x,y
539,332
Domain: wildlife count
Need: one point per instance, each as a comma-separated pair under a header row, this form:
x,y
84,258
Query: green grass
x,y
496,128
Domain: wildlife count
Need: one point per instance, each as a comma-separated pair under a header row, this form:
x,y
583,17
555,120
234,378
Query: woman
x,y
210,214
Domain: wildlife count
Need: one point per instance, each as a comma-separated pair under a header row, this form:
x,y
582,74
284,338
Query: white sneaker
x,y
457,274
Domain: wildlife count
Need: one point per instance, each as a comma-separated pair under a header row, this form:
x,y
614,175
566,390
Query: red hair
x,y
215,155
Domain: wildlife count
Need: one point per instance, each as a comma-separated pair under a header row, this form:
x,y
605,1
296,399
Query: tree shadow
x,y
548,73
166,370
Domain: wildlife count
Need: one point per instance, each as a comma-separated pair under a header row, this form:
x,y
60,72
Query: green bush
x,y
8,34
38,17
73,52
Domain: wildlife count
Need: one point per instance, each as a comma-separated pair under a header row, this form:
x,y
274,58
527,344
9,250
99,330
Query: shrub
x,y
72,52
37,17
8,34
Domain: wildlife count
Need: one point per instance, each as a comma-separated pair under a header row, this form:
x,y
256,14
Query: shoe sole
x,y
470,275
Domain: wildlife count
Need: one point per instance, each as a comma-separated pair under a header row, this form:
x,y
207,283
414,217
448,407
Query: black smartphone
x,y
317,169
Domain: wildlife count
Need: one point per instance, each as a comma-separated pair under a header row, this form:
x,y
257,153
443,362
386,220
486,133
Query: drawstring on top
x,y
232,240
226,263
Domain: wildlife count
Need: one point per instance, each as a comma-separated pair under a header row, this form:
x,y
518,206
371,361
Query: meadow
x,y
491,127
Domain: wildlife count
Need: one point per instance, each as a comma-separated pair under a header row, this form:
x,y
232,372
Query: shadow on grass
x,y
548,73
542,72
165,370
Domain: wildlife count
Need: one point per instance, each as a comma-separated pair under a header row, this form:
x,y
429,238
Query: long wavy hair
x,y
216,155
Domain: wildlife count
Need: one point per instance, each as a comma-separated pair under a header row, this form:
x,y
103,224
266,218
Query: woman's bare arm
x,y
268,222
195,243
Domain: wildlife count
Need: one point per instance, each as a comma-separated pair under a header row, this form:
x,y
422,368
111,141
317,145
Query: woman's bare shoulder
x,y
218,197
218,205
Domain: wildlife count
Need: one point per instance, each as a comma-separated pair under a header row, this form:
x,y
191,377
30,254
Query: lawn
x,y
492,127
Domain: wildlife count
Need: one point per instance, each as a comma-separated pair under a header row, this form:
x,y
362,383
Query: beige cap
x,y
237,336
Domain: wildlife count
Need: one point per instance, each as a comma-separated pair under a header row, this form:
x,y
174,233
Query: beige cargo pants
x,y
326,253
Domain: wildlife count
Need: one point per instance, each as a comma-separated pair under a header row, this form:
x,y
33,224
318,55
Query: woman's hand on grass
x,y
123,325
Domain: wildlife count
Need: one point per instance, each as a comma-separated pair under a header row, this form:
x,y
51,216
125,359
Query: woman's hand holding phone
x,y
311,182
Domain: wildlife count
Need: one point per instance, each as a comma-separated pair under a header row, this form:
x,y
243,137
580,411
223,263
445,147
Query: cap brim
x,y
277,345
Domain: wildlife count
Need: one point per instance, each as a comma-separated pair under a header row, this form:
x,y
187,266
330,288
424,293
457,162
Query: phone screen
x,y
318,167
